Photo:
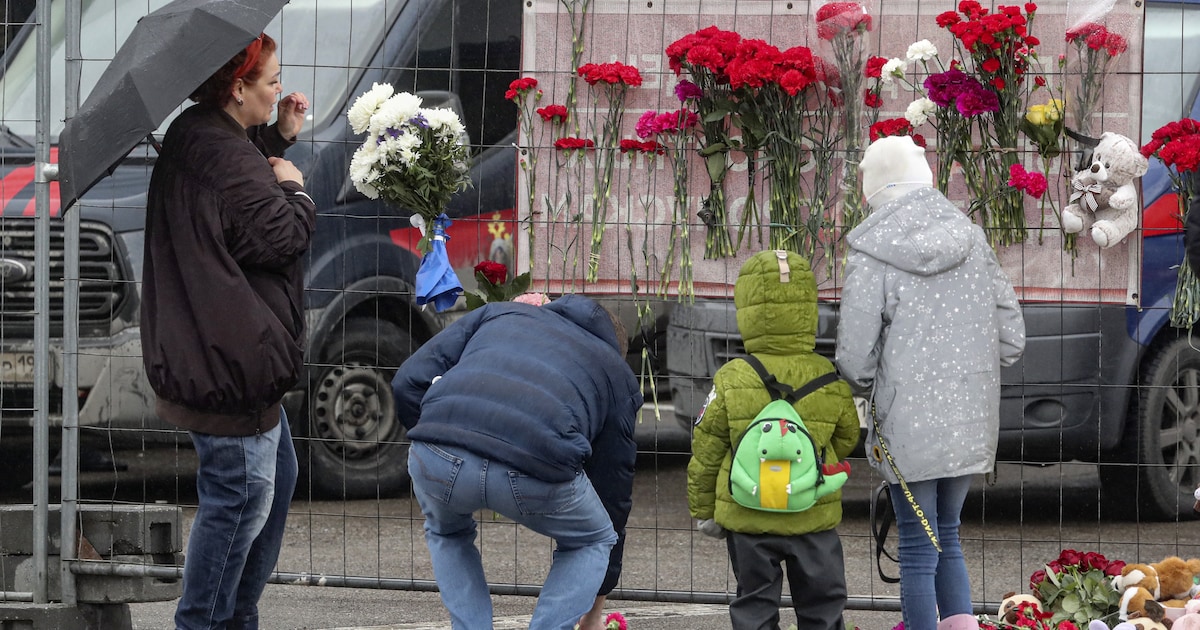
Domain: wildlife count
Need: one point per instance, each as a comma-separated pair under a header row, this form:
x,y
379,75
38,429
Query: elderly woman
x,y
227,221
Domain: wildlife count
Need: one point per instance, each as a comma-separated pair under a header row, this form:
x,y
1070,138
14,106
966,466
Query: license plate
x,y
16,367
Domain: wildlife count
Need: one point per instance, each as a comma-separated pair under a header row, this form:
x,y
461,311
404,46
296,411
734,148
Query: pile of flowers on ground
x,y
1078,587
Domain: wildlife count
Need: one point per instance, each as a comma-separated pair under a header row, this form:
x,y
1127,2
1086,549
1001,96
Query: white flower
x,y
893,68
401,147
364,107
919,110
444,122
363,171
402,160
395,112
923,50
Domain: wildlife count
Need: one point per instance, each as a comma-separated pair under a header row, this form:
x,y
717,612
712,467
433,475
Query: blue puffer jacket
x,y
542,389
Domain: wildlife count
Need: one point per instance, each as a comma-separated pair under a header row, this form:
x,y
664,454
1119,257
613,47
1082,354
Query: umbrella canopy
x,y
169,53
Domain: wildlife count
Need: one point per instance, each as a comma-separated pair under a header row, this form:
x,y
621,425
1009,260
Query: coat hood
x,y
776,300
921,233
588,315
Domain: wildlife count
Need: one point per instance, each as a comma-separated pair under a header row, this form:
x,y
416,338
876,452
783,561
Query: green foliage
x,y
1078,593
489,292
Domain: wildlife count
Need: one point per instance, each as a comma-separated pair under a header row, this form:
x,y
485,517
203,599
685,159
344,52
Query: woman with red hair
x,y
227,222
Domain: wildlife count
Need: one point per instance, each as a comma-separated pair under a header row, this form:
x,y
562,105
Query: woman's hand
x,y
285,171
293,108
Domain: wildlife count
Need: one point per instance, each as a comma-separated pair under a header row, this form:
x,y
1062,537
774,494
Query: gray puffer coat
x,y
927,319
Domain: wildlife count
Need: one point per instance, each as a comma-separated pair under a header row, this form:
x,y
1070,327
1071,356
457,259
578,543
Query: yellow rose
x,y
1053,110
1036,115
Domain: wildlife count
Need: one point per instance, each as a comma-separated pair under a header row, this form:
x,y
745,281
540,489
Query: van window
x,y
324,45
471,48
1171,58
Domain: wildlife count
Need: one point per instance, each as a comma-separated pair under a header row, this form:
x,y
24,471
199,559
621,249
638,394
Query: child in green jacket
x,y
776,300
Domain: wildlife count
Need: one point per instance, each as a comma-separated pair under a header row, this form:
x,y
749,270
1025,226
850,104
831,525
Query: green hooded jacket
x,y
778,324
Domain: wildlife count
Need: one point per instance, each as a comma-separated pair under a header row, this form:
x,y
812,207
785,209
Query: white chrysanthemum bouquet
x,y
412,156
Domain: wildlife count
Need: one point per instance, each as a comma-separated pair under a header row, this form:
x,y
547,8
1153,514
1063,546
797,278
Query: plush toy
x,y
1139,585
1103,195
1145,623
1100,625
1147,588
1013,601
1177,580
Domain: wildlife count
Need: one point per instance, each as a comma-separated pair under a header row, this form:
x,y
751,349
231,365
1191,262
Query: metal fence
x,y
71,378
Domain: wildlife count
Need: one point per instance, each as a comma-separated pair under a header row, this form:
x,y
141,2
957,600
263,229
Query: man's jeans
x,y
932,584
452,483
245,486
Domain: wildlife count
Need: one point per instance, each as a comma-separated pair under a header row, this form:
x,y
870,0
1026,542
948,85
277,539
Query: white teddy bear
x,y
1103,195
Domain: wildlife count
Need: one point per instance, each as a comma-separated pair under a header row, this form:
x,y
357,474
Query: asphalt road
x,y
1010,528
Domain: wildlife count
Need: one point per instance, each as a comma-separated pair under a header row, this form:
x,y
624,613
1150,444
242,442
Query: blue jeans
x,y
931,582
245,486
452,483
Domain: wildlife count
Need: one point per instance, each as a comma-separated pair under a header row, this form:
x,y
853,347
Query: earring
x,y
240,101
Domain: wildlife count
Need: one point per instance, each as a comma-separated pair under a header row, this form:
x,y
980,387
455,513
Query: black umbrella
x,y
169,53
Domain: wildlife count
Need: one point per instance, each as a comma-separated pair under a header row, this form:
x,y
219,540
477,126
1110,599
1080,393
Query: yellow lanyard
x,y
904,486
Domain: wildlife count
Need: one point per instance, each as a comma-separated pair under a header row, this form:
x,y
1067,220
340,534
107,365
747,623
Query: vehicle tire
x,y
350,444
1159,460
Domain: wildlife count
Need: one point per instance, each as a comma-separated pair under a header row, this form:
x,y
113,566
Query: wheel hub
x,y
349,414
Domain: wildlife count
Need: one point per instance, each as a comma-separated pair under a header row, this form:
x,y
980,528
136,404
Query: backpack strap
x,y
812,386
778,390
782,391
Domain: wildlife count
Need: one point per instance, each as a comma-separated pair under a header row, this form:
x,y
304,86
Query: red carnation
x,y
553,113
835,18
948,19
874,67
573,144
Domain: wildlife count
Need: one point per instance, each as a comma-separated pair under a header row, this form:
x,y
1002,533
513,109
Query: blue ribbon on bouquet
x,y
436,280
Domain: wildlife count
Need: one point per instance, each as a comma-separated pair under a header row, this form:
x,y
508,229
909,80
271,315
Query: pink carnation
x,y
615,621
533,299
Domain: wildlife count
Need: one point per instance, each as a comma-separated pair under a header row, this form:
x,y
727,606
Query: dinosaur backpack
x,y
776,465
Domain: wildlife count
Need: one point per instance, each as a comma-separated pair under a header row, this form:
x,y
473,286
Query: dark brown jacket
x,y
222,290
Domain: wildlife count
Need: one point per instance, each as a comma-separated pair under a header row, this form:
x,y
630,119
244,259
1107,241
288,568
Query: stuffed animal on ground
x,y
1102,625
1189,621
1103,196
1144,623
1138,585
1177,580
1146,588
1012,602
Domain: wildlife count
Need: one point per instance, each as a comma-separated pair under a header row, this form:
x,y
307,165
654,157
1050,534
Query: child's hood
x,y
921,233
776,300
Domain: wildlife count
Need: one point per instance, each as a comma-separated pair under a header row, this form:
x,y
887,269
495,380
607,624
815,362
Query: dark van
x,y
362,317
